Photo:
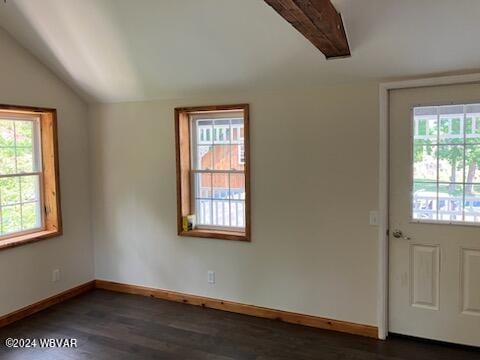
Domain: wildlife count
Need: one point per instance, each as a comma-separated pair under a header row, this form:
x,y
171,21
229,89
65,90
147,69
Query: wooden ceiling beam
x,y
318,21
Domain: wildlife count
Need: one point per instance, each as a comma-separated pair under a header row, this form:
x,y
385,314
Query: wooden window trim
x,y
50,170
182,143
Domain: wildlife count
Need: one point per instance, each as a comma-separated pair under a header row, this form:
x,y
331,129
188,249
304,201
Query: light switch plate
x,y
374,218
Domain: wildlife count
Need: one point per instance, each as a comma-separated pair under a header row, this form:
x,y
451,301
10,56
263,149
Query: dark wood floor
x,y
116,326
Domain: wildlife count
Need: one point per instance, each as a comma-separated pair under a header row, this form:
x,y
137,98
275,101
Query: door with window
x,y
434,216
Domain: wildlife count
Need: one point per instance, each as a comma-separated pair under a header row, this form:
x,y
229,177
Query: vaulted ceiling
x,y
124,50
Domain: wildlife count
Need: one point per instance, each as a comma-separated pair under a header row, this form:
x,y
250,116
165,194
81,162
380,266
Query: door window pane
x,y
450,202
424,201
451,120
472,203
450,163
425,125
446,161
472,161
425,163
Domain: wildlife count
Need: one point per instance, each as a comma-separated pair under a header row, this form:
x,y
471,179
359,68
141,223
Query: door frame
x,y
383,181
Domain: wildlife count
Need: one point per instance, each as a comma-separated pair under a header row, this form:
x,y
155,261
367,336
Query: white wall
x,y
25,271
315,151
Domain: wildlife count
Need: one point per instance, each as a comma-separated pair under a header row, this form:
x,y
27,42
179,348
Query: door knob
x,y
399,235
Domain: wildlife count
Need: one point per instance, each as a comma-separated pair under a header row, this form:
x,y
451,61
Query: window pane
x,y
220,127
237,213
472,129
472,203
20,195
204,158
204,130
30,216
16,146
11,219
237,130
217,151
221,157
30,188
7,161
24,133
450,202
472,159
10,190
237,186
451,124
25,160
20,203
450,164
221,212
220,186
451,131
425,125
203,185
203,210
424,201
7,137
237,152
472,125
425,163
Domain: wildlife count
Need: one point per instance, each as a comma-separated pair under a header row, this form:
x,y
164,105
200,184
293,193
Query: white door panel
x,y
470,280
435,267
424,263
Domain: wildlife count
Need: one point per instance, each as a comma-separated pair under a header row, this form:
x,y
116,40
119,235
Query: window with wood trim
x,y
29,190
213,171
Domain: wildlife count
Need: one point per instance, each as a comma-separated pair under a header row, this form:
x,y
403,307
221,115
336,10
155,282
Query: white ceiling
x,y
122,50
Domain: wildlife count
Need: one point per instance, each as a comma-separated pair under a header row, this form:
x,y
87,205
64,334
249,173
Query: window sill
x,y
28,238
217,234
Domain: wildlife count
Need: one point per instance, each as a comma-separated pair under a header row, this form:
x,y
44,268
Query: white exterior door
x,y
434,217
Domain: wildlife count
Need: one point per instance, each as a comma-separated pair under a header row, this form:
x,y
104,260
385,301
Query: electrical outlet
x,y
211,277
55,275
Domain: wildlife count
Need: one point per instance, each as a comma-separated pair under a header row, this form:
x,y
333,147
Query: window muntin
x,y
218,194
446,164
241,154
20,175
